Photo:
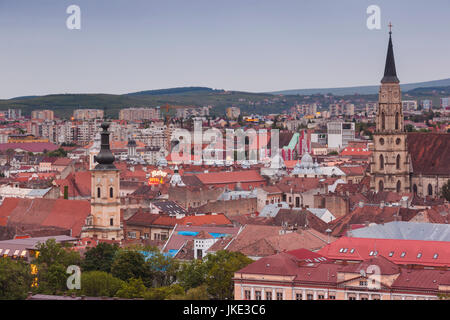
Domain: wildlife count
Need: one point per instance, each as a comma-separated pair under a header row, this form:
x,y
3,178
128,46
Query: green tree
x,y
164,293
129,264
162,269
192,274
100,258
15,279
221,268
445,193
198,293
52,263
100,283
132,289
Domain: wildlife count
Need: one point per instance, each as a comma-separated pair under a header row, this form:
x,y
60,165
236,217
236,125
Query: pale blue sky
x,y
251,45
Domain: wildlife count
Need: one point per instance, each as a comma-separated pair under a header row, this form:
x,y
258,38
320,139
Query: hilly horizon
x,y
363,89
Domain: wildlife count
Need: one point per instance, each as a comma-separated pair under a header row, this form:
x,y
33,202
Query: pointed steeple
x,y
390,73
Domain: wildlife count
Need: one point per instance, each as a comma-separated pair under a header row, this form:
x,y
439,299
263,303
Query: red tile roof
x,y
35,213
430,152
29,146
230,177
384,247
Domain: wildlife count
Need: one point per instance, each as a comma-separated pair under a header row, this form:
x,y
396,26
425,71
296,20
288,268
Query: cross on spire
x,y
390,27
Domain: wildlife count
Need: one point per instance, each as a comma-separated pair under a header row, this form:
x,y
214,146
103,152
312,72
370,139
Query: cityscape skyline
x,y
209,44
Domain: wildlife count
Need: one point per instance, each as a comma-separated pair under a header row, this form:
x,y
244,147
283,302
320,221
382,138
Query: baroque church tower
x,y
389,165
104,220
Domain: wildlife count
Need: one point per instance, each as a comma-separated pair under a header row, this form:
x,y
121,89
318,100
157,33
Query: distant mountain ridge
x,y
362,89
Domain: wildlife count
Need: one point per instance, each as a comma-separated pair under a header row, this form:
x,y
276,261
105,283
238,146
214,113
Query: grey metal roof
x,y
405,230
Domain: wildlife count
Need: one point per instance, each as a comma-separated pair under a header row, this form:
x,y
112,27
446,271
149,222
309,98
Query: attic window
x,y
435,256
352,250
342,250
391,253
345,250
371,253
419,255
403,254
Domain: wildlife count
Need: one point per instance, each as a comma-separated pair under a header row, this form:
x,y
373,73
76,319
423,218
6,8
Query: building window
x,y
383,121
351,298
397,162
309,296
399,186
111,222
298,296
430,190
332,297
381,162
279,295
247,295
257,295
98,192
321,297
380,186
111,192
363,283
415,189
397,121
268,295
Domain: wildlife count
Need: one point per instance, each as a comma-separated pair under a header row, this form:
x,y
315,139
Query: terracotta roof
x,y
429,152
209,219
79,184
391,249
33,213
368,213
62,162
29,146
230,177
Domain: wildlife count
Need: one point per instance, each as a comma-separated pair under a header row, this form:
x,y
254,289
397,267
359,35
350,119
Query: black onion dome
x,y
104,158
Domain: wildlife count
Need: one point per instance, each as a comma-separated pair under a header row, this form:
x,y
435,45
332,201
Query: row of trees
x,y
108,270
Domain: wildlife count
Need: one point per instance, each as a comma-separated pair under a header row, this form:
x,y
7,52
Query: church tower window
x,y
381,162
397,162
380,186
399,186
430,190
111,192
98,192
397,120
383,121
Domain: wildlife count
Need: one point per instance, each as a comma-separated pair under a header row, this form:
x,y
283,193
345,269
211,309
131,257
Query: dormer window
x,y
403,254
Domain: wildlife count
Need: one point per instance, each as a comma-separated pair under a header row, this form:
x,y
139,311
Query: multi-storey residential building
x,y
307,109
340,133
86,130
409,105
233,112
371,109
88,114
193,112
427,104
138,114
335,110
14,114
349,109
445,102
42,114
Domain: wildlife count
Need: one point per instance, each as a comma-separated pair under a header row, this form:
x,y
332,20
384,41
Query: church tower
x,y
389,165
104,220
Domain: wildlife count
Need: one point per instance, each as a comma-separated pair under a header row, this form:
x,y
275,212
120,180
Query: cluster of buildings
x,y
323,212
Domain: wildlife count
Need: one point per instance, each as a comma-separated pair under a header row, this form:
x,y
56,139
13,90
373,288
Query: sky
x,y
247,45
